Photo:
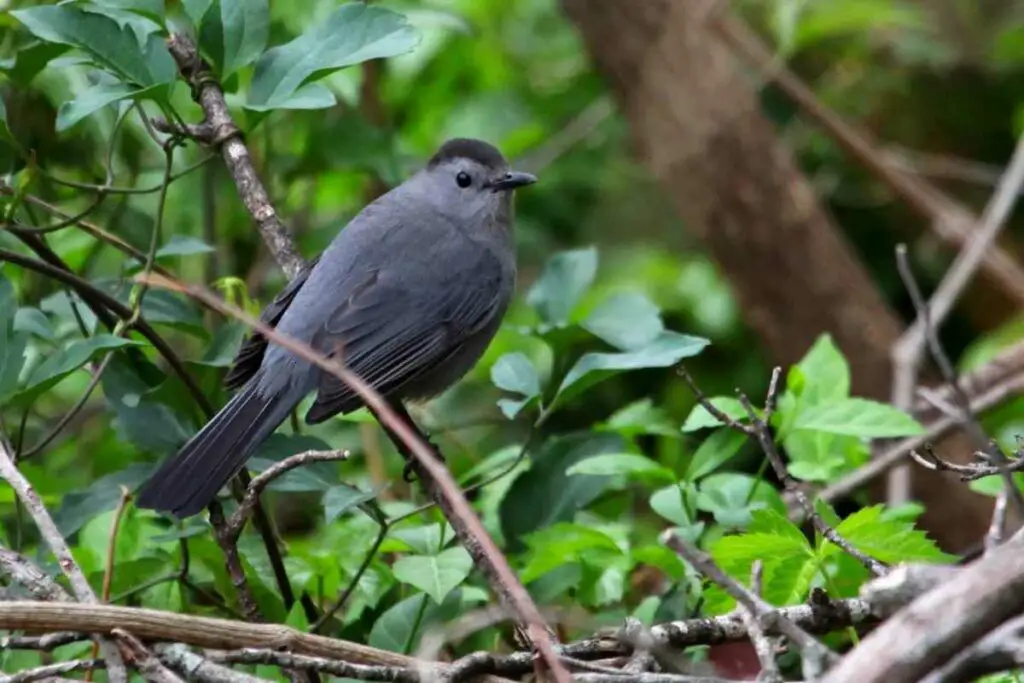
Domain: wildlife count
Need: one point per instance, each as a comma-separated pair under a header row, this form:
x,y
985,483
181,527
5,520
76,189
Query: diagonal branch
x,y
434,475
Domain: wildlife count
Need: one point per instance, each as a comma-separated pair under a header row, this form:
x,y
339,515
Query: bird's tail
x,y
186,482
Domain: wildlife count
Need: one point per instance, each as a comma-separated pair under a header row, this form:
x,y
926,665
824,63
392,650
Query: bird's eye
x,y
463,179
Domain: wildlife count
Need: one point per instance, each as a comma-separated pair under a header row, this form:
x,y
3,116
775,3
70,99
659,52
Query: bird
x,y
408,295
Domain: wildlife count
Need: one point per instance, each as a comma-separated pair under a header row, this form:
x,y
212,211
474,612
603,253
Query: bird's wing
x,y
396,328
250,355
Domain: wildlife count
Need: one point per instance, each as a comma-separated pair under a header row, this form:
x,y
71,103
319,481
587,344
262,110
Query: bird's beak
x,y
512,180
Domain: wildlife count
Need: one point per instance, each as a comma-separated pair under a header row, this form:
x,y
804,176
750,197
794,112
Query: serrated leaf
x,y
788,564
666,350
65,361
563,280
614,464
768,521
562,544
858,417
110,45
233,33
719,447
353,33
890,541
627,321
435,575
826,374
700,418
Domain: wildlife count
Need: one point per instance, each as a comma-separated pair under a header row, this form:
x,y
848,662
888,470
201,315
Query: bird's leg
x,y
410,458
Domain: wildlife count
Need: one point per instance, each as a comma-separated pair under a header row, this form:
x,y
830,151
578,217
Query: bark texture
x,y
697,125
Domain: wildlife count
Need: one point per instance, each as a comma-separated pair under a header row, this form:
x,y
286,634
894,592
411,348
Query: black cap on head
x,y
468,148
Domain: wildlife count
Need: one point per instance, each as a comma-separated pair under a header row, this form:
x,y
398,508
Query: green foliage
x,y
585,441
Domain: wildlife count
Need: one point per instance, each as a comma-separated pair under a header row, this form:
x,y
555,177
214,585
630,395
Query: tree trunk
x,y
697,125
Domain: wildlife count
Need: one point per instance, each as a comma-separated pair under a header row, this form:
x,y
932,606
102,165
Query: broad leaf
x,y
182,245
396,629
614,464
666,350
720,446
826,374
110,45
626,321
858,417
233,33
546,494
353,33
152,9
341,498
564,279
34,321
435,575
725,496
93,100
65,361
668,502
514,372
79,507
641,417
314,476
562,544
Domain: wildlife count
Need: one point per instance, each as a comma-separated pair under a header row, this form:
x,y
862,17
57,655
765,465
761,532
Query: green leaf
x,y
29,60
67,360
627,321
700,418
195,10
638,418
546,494
341,498
820,456
110,45
353,33
12,343
153,9
78,507
562,544
826,374
314,476
142,418
725,496
858,417
770,521
435,575
396,630
182,245
91,101
789,565
427,539
34,321
564,279
514,372
233,33
667,350
614,464
713,452
668,502
888,540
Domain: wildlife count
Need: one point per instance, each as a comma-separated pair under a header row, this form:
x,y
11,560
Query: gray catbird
x,y
411,292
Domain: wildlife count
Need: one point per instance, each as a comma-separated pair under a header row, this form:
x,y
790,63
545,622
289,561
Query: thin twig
x,y
55,540
814,652
949,374
48,671
764,647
